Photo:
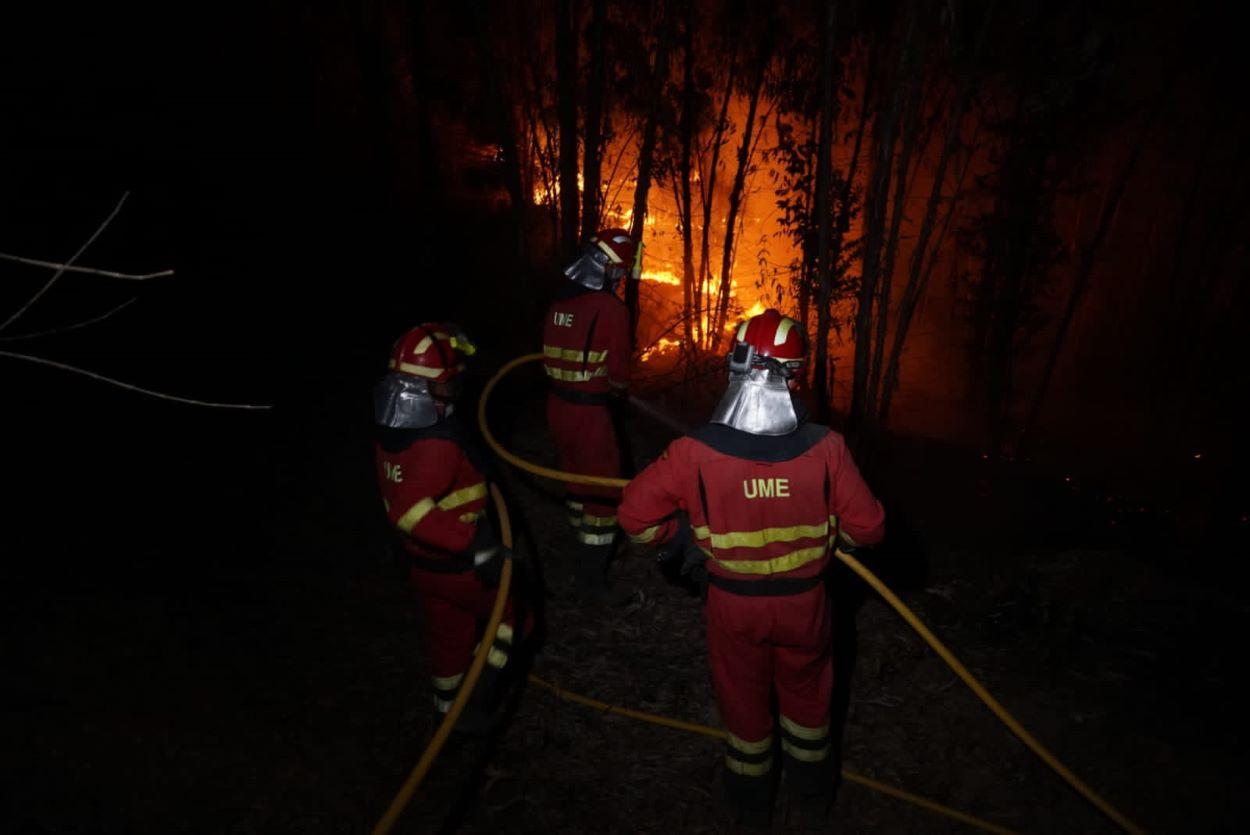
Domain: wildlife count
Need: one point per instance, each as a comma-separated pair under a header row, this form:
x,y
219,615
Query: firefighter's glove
x,y
677,547
847,545
488,564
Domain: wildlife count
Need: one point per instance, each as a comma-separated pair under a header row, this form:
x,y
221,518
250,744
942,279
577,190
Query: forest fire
x,y
321,271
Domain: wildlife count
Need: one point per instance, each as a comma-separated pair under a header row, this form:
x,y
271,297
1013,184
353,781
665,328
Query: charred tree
x,y
592,152
566,92
688,118
825,271
763,57
918,272
646,154
702,300
886,124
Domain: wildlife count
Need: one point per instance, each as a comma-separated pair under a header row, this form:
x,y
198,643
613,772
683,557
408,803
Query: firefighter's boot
x,y
592,570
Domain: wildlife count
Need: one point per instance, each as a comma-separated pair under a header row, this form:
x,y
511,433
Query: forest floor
x,y
290,696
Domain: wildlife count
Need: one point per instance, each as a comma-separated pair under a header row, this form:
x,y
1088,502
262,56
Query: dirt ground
x,y
287,693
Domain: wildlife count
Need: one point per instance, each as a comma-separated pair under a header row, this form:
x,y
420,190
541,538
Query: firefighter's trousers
x,y
455,607
758,645
587,444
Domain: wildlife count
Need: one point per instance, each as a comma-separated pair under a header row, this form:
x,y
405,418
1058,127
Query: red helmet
x,y
434,352
772,339
624,253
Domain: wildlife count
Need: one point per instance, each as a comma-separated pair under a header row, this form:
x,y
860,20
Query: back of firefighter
x,y
435,490
767,496
586,344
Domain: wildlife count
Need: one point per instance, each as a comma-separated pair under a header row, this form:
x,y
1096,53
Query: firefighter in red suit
x,y
434,485
586,341
766,497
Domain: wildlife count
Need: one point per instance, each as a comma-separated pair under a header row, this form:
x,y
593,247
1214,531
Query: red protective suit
x,y
586,343
436,498
766,511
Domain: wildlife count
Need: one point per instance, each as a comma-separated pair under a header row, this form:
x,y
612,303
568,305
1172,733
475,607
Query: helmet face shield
x,y
590,269
401,401
758,401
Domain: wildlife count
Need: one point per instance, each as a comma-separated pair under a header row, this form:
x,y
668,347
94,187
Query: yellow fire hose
x,y
954,663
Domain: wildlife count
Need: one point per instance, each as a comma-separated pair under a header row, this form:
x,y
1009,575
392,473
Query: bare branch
x,y
61,271
128,386
70,268
75,326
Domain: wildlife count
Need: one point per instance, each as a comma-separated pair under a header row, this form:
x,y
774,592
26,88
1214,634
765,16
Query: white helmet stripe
x,y
616,259
782,330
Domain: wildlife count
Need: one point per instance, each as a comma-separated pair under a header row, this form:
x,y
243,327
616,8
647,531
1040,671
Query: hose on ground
x,y
906,613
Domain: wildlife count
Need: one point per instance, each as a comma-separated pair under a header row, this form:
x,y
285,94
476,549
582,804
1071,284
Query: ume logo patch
x,y
563,320
766,488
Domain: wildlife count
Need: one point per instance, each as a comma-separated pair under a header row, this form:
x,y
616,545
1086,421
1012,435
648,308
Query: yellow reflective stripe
x,y
574,505
425,343
599,521
570,355
463,496
806,755
776,565
448,682
760,538
611,253
803,732
750,747
496,658
595,538
472,517
414,514
645,536
748,769
422,370
442,705
504,632
565,376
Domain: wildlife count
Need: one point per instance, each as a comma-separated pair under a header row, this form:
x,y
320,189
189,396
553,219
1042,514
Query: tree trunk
x,y
885,279
592,153
874,227
505,130
717,326
823,211
688,117
918,279
708,191
646,156
566,92
1085,271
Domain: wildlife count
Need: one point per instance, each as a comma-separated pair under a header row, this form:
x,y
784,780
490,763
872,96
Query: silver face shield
x,y
401,401
590,269
757,401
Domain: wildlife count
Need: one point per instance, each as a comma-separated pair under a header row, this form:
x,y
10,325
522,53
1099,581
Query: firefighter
x,y
765,496
586,341
434,485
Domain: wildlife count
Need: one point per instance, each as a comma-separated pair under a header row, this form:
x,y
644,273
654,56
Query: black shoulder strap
x,y
590,337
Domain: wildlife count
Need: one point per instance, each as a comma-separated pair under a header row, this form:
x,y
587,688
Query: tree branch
x,y
61,270
74,326
128,386
70,268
